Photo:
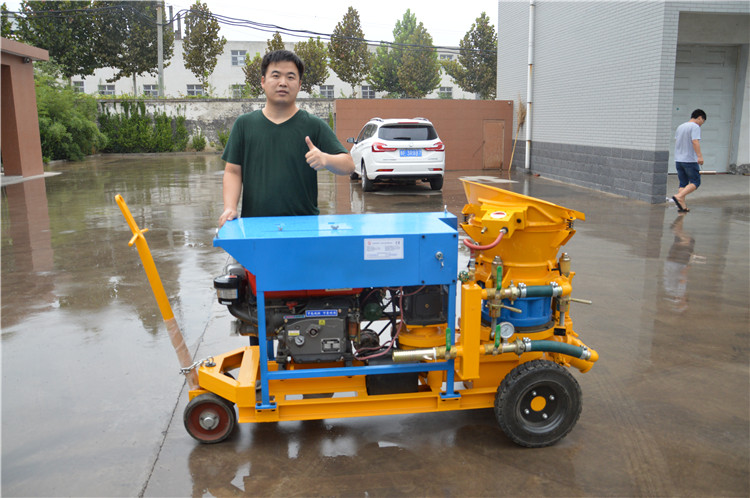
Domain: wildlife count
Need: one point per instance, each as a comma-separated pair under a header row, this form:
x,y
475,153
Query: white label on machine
x,y
376,249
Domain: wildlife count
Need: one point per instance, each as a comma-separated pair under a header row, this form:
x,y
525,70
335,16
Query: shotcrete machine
x,y
355,315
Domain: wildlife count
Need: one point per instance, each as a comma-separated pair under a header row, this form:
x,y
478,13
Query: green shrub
x,y
67,121
134,130
199,141
223,137
181,134
163,140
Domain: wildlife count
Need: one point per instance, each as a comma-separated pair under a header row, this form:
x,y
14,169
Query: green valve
x,y
497,336
447,340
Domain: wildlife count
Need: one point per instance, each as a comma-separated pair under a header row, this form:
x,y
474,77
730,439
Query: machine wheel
x,y
367,184
436,183
209,418
538,403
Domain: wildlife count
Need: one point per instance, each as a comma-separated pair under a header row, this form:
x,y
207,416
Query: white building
x,y
611,80
228,78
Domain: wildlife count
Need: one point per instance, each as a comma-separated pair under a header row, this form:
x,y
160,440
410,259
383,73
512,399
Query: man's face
x,y
699,120
281,82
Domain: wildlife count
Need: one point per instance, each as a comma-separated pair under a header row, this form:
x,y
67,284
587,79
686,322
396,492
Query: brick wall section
x,y
637,174
458,122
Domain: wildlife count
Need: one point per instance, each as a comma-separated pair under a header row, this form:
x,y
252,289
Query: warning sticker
x,y
380,249
498,214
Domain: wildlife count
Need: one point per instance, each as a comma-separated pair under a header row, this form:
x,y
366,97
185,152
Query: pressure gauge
x,y
506,330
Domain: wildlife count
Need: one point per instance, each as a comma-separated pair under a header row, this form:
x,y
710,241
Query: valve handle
x,y
511,308
582,301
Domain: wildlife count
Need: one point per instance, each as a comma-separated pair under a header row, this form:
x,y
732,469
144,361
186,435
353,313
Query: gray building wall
x,y
603,79
177,77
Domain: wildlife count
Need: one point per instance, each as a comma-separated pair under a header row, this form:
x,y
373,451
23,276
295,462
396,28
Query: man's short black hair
x,y
698,113
282,56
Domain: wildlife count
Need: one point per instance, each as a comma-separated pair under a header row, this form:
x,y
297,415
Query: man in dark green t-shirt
x,y
273,155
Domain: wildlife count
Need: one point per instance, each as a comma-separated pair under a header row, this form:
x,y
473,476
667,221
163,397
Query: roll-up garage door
x,y
705,78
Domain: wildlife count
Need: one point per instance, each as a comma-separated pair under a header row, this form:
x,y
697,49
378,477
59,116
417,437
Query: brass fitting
x,y
564,264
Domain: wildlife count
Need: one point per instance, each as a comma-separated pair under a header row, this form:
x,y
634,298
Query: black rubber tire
x,y
367,184
538,403
436,183
214,411
353,175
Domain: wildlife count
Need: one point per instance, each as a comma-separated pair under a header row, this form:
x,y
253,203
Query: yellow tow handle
x,y
175,335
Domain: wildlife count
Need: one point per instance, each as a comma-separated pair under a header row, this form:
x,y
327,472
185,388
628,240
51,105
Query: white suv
x,y
398,150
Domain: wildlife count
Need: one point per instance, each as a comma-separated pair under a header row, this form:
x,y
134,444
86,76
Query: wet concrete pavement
x,y
92,404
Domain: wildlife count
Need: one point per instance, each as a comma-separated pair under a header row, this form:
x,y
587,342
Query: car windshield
x,y
407,132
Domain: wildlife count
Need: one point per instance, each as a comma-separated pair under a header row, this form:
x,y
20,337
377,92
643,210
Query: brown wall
x,y
461,124
19,139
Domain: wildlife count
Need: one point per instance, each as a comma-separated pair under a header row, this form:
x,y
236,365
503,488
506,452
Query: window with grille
x,y
326,91
106,89
151,90
195,90
368,92
238,57
237,91
446,92
78,86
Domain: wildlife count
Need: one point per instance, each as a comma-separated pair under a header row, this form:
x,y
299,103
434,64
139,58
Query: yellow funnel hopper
x,y
535,230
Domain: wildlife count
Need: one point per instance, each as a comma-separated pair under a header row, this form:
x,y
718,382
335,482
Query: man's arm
x,y
697,148
232,188
338,164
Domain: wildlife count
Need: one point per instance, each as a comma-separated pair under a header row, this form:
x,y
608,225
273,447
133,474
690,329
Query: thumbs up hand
x,y
315,157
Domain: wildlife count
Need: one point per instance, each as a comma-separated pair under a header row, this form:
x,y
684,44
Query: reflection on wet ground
x,y
92,403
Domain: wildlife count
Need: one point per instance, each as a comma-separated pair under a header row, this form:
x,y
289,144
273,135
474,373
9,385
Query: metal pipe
x,y
581,356
529,96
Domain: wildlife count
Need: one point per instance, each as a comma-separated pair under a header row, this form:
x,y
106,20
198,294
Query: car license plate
x,y
410,152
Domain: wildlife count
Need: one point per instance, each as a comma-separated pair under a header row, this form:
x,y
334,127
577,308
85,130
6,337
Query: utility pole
x,y
160,45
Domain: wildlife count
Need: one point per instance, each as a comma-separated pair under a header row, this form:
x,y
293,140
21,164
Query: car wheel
x,y
353,175
367,184
436,183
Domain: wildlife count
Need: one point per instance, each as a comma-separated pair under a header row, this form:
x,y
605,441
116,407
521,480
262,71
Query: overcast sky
x,y
447,22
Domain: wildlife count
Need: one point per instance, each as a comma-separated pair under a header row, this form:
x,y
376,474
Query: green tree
x,y
476,67
410,68
314,54
347,50
275,43
63,29
6,30
202,44
67,119
129,38
252,67
252,76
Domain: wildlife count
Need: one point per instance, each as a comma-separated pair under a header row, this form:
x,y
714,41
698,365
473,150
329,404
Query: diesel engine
x,y
317,326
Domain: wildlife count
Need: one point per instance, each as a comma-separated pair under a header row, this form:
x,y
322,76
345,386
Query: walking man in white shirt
x,y
688,157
